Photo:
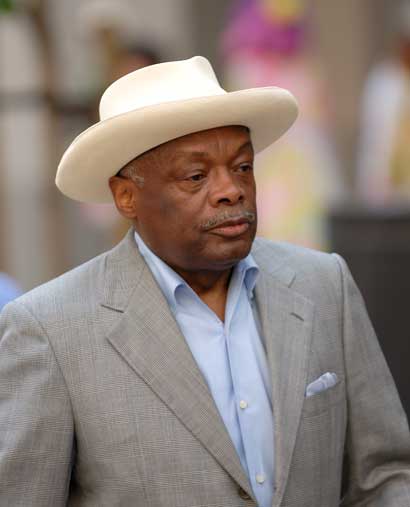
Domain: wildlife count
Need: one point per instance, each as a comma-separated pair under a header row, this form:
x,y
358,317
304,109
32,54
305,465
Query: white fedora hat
x,y
159,103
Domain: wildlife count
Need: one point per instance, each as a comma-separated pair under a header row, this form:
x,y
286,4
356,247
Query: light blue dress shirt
x,y
232,360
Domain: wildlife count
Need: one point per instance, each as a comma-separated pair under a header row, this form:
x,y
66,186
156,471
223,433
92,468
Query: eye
x,y
245,167
196,177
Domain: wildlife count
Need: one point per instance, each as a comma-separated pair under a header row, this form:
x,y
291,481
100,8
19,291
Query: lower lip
x,y
231,231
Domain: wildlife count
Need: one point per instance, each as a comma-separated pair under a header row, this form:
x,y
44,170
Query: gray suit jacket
x,y
102,403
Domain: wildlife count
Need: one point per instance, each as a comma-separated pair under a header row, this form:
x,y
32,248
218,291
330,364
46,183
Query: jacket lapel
x,y
286,319
148,338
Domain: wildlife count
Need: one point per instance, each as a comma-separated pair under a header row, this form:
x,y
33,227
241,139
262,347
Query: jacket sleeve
x,y
377,462
36,426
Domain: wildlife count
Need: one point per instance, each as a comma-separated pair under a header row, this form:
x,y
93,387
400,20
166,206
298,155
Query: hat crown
x,y
158,84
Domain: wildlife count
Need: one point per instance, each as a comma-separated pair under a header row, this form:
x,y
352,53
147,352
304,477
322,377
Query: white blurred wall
x,y
27,244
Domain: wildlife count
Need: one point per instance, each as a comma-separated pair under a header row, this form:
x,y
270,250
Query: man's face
x,y
196,208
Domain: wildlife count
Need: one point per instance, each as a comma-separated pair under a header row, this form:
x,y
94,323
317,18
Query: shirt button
x,y
243,494
243,404
260,478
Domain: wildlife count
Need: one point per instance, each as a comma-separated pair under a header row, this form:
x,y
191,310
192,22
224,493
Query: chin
x,y
230,253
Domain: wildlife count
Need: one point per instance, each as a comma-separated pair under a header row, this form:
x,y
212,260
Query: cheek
x,y
251,189
168,218
153,205
185,212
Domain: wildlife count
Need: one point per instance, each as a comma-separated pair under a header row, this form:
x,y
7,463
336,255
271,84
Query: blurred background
x,y
338,181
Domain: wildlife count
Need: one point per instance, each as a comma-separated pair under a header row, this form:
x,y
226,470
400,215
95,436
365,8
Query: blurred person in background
x,y
384,148
9,289
194,365
118,53
268,41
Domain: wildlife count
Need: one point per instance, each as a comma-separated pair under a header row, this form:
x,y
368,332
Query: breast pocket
x,y
318,453
324,400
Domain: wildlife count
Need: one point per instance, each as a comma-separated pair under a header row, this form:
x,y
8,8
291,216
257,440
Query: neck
x,y
210,286
206,281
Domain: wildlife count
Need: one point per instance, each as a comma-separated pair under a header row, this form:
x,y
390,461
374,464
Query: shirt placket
x,y
252,404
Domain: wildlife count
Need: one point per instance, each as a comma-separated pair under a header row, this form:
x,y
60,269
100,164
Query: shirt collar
x,y
169,280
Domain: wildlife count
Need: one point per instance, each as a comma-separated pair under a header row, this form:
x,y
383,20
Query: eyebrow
x,y
203,154
245,145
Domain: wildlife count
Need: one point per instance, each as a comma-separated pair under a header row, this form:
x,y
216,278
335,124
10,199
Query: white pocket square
x,y
324,382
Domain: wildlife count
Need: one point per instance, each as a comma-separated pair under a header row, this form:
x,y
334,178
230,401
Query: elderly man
x,y
192,366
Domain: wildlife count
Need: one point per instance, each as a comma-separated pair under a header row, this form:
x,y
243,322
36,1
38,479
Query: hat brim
x,y
103,149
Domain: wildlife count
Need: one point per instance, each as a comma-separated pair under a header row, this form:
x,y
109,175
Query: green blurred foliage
x,y
6,5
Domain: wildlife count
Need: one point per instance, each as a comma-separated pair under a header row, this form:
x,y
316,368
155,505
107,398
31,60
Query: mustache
x,y
219,219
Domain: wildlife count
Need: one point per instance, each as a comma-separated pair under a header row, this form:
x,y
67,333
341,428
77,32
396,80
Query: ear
x,y
124,192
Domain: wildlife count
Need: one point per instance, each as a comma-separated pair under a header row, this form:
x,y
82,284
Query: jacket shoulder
x,y
310,272
66,294
298,257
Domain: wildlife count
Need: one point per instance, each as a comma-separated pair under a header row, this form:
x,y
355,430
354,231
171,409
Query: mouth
x,y
231,228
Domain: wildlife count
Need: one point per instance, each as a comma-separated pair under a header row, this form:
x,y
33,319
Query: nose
x,y
226,188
